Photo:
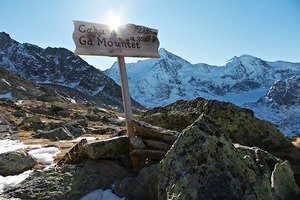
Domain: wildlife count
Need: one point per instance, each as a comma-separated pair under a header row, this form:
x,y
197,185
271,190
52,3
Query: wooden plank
x,y
128,40
125,96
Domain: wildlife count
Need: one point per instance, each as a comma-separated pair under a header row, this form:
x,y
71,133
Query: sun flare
x,y
113,20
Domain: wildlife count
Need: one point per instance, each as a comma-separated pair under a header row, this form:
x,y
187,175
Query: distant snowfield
x,y
44,155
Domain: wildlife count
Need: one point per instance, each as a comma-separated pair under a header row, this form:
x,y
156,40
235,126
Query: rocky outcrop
x,y
204,164
13,163
240,124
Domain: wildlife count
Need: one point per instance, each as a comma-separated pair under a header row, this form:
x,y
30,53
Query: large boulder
x,y
13,163
146,130
113,148
204,164
240,124
67,181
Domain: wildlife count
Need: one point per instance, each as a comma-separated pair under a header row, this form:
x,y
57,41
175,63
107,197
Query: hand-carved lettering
x,y
84,41
129,38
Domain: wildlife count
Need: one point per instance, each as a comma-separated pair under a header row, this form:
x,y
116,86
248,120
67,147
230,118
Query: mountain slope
x,y
60,67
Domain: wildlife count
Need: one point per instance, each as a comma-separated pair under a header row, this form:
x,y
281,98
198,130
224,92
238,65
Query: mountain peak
x,y
164,53
5,40
241,58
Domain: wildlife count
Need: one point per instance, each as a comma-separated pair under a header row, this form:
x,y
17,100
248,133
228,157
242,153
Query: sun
x,y
113,20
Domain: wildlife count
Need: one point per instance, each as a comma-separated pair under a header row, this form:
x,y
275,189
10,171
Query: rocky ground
x,y
179,148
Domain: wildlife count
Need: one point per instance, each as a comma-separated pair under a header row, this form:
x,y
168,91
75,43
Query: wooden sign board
x,y
125,41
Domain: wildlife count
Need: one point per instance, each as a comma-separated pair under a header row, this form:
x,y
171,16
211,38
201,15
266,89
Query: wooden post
x,y
125,96
127,105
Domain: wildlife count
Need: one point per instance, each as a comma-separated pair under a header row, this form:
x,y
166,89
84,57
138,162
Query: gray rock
x,y
76,122
31,119
75,154
13,163
283,182
61,133
6,129
137,143
76,131
19,113
157,144
204,164
106,130
149,153
110,148
148,157
154,132
144,186
111,170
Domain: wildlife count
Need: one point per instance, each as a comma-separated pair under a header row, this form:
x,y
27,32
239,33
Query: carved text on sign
x,y
127,40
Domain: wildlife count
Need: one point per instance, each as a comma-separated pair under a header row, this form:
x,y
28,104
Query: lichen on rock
x,y
204,164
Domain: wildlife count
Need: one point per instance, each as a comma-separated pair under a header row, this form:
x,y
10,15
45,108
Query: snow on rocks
x,y
44,155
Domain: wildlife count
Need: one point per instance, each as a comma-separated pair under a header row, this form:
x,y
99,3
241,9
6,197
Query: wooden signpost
x,y
124,41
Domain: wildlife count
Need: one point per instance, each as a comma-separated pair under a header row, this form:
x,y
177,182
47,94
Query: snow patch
x,y
45,155
9,181
101,195
11,145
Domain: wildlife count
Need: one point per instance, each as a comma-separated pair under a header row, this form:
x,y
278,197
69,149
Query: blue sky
x,y
207,31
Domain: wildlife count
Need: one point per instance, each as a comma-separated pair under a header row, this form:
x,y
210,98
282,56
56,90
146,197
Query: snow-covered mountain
x,y
157,82
241,80
58,67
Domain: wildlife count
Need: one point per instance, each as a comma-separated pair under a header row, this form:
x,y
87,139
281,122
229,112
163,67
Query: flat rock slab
x,y
148,153
110,148
154,132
